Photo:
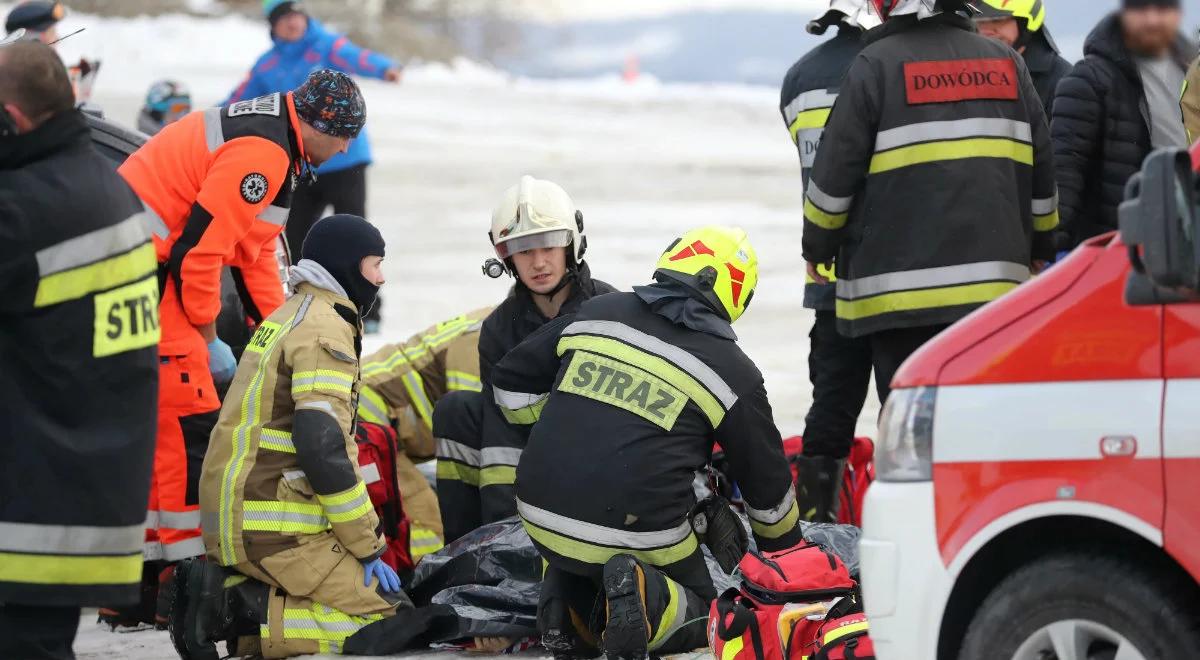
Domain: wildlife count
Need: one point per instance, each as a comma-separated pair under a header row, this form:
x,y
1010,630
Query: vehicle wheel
x,y
1085,607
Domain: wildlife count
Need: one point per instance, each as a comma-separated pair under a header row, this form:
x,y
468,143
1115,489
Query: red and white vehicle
x,y
1038,492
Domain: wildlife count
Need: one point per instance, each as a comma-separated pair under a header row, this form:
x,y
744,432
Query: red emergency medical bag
x,y
781,606
860,472
377,462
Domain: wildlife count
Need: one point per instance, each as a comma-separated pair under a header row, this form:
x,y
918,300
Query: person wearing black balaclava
x,y
287,429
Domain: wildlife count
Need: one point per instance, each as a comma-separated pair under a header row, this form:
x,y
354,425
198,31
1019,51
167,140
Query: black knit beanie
x,y
1138,4
339,243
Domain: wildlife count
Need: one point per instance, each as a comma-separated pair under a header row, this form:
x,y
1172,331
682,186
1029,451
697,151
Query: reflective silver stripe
x,y
370,473
290,623
152,551
276,215
372,408
804,138
187,548
304,305
93,246
457,451
811,100
71,539
775,514
179,520
277,437
585,531
952,130
326,379
292,475
284,516
501,456
151,520
214,135
827,202
1045,206
323,406
154,223
345,507
928,278
681,358
516,400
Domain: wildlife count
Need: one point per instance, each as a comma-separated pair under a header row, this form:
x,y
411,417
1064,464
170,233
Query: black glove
x,y
719,528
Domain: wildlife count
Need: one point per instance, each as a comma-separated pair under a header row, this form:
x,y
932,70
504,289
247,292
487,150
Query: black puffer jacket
x,y
1101,130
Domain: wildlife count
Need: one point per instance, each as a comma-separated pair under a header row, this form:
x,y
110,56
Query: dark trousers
x,y
890,348
457,425
839,369
33,633
345,191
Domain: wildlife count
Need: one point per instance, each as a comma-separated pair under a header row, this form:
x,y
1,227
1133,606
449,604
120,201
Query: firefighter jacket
x,y
625,407
934,187
282,463
79,381
402,382
806,98
1189,101
220,184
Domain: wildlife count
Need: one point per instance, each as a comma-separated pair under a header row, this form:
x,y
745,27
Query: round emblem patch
x,y
254,188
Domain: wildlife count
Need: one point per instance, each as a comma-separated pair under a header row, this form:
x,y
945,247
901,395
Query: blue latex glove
x,y
387,577
221,362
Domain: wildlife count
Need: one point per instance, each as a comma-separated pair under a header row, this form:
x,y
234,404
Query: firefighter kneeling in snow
x,y
629,395
281,496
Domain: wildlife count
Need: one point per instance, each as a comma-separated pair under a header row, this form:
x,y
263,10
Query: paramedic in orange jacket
x,y
218,185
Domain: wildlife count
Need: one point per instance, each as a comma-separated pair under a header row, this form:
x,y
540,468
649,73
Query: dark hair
x,y
34,79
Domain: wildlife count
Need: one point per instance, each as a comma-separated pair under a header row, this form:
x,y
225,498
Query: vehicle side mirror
x,y
1160,225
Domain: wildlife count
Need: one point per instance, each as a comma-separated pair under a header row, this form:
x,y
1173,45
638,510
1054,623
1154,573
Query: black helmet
x,y
34,16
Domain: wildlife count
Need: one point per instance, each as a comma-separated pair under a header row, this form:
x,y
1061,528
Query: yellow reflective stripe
x,y
949,296
461,380
453,329
525,416
266,338
599,554
457,472
276,440
498,475
827,271
322,379
680,379
283,517
776,530
415,386
816,118
1045,222
320,622
732,648
830,221
932,152
668,623
371,406
106,274
839,633
424,542
347,505
70,569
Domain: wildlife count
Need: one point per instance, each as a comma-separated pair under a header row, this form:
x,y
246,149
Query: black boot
x,y
818,486
565,632
627,633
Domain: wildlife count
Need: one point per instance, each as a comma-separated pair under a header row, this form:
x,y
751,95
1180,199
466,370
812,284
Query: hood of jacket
x,y
66,130
311,272
676,303
290,49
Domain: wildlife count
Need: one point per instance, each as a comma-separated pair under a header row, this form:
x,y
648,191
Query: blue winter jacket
x,y
287,65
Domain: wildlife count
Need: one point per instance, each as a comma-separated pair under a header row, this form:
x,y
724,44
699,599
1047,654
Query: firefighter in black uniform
x,y
934,187
538,236
1021,25
629,396
78,341
839,367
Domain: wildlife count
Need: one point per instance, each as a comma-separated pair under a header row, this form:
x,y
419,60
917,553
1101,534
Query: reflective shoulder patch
x,y
624,386
263,105
960,80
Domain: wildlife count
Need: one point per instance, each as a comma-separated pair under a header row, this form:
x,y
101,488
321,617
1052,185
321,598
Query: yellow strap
x,y
943,150
839,633
70,569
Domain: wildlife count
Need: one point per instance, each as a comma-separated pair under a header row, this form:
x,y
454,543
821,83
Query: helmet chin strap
x,y
569,277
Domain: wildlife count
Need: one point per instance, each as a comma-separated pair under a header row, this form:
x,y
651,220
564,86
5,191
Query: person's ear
x,y
13,121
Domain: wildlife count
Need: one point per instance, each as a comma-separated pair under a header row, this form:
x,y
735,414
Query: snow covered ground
x,y
644,162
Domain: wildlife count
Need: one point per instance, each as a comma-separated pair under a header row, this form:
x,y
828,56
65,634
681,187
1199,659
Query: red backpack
x,y
844,634
377,462
781,606
860,472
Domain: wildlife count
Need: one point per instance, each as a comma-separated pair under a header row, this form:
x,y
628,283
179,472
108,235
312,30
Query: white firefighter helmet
x,y
855,13
536,214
